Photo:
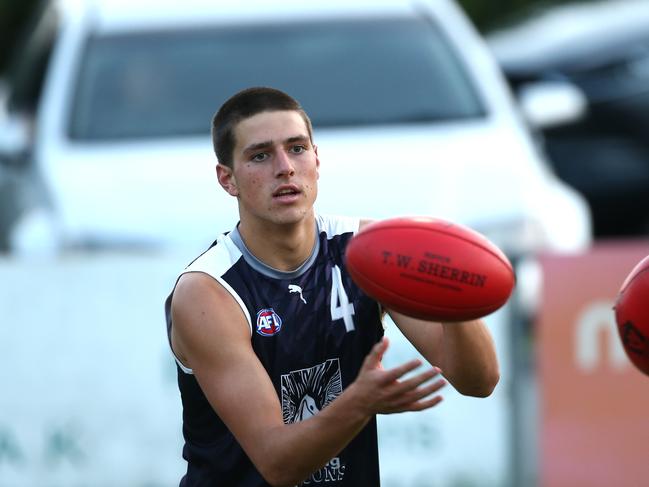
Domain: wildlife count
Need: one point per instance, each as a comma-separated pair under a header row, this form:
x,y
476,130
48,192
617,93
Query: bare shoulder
x,y
204,316
194,286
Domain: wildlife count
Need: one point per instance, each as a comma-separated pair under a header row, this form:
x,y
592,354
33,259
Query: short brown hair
x,y
246,104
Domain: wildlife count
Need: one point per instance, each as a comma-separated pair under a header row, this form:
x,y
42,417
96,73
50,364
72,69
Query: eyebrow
x,y
268,143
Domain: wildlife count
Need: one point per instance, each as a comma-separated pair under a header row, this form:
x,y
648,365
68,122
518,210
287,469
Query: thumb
x,y
373,359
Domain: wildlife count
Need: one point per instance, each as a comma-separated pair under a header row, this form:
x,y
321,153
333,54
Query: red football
x,y
430,268
632,315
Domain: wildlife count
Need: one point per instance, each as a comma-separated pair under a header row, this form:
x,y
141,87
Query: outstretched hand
x,y
388,391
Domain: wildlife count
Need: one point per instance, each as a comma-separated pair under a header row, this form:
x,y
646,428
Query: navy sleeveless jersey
x,y
311,329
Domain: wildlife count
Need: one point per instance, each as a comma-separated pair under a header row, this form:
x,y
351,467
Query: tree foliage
x,y
489,14
14,17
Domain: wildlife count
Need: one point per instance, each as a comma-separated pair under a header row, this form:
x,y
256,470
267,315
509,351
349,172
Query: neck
x,y
281,246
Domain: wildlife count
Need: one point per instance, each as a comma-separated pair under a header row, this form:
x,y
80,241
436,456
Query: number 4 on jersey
x,y
341,308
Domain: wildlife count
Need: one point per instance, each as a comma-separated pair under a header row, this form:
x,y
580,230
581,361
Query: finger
x,y
419,393
393,374
415,381
381,347
414,406
426,404
418,401
373,359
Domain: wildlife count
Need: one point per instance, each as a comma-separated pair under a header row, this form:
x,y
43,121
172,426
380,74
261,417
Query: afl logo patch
x,y
268,322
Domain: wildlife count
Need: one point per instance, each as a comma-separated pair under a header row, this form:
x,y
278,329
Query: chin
x,y
293,216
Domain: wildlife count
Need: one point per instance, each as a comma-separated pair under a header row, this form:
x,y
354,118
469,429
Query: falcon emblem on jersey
x,y
306,391
268,322
294,288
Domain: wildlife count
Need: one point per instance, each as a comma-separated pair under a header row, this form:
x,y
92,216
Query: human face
x,y
275,169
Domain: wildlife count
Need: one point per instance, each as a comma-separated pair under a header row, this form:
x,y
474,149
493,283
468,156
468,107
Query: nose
x,y
284,164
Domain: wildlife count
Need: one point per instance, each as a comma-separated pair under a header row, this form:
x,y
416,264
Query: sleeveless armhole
x,y
337,225
215,262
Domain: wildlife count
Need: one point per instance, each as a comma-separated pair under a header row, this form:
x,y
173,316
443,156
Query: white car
x,y
411,116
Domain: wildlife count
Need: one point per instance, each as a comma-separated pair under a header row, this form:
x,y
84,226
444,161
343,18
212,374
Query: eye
x,y
298,149
259,157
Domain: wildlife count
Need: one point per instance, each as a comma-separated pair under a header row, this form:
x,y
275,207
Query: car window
x,y
353,72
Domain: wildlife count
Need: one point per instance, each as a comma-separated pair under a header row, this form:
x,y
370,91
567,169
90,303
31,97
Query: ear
x,y
317,160
226,179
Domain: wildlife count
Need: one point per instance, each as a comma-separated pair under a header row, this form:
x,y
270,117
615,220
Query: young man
x,y
279,352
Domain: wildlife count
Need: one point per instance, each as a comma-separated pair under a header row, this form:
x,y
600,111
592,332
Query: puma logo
x,y
293,288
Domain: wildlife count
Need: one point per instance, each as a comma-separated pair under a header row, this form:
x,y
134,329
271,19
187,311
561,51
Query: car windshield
x,y
344,73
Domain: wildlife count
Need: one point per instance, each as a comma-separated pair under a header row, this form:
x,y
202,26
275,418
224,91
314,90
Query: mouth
x,y
286,192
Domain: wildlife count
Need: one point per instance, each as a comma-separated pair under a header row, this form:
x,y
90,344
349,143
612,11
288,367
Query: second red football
x,y
632,315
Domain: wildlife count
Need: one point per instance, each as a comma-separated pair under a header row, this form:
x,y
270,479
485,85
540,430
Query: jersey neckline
x,y
269,271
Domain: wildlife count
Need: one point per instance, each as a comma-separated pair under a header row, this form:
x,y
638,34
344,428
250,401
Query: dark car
x,y
603,49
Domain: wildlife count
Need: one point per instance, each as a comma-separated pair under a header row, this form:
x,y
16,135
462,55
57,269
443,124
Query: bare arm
x,y
465,351
210,334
